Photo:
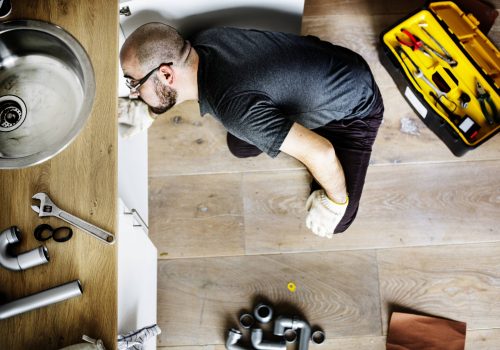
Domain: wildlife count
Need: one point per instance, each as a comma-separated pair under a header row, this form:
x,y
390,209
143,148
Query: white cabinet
x,y
137,276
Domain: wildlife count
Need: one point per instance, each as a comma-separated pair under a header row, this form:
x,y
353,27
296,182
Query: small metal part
x,y
260,344
12,113
290,336
464,100
246,321
447,57
318,337
125,11
263,313
292,287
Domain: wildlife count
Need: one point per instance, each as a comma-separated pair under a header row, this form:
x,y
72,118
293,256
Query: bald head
x,y
154,43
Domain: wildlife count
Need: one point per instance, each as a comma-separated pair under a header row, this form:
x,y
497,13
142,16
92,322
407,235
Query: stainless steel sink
x,y
47,90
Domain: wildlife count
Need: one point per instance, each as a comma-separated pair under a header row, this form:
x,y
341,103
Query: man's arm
x,y
318,155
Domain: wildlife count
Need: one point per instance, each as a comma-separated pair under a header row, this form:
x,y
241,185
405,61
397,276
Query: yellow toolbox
x,y
448,71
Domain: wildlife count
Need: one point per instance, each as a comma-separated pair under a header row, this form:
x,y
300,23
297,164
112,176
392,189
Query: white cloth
x,y
324,214
135,339
133,117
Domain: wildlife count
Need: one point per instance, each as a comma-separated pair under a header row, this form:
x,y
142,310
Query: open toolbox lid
x,y
453,59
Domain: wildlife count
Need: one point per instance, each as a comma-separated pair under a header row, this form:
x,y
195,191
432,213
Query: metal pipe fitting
x,y
318,337
41,299
246,321
282,323
263,313
24,261
260,344
290,336
233,337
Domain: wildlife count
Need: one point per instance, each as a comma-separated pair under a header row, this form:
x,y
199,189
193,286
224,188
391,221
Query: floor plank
x,y
336,291
474,340
196,215
182,142
456,282
263,212
403,205
358,343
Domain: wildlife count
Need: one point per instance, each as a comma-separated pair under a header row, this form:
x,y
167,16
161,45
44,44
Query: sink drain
x,y
12,112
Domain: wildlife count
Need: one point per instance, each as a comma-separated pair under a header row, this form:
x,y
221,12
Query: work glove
x,y
133,117
324,214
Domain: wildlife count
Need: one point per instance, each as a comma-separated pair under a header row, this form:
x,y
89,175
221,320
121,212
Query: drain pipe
x,y
260,344
282,323
232,340
41,299
24,261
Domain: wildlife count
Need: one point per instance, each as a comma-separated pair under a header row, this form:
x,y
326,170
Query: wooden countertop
x,y
82,180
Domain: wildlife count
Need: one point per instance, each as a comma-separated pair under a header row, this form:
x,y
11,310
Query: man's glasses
x,y
134,85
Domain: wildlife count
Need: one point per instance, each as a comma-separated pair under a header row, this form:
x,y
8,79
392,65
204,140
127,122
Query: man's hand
x,y
324,214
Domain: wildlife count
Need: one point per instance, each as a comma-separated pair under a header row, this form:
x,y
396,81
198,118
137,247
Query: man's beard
x,y
166,95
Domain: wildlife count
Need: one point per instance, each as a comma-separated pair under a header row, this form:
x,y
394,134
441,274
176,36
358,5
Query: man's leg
x,y
240,148
353,140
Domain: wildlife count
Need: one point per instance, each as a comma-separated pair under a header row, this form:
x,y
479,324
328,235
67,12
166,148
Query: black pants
x,y
352,139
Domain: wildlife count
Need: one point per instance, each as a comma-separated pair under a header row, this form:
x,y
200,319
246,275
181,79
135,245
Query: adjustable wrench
x,y
48,208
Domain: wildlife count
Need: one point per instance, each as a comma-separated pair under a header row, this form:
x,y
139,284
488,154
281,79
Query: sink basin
x,y
47,90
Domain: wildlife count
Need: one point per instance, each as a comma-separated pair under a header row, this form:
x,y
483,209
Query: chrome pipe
x,y
263,313
41,299
24,261
233,337
260,344
282,323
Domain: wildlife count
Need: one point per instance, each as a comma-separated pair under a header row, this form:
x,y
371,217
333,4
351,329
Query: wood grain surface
x,y
197,215
457,282
338,291
431,219
486,339
81,180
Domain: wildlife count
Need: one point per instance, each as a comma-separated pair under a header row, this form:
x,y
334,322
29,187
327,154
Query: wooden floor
x,y
231,232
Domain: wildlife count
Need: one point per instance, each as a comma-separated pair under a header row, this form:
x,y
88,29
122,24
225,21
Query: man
x,y
273,92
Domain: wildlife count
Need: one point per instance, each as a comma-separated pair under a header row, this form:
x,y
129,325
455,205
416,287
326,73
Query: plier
x,y
415,44
484,98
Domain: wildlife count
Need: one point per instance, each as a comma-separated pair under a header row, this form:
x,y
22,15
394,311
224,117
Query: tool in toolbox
x,y
48,208
443,90
446,56
415,44
418,73
484,98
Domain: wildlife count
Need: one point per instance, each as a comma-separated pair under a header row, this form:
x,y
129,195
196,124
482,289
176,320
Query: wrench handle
x,y
84,225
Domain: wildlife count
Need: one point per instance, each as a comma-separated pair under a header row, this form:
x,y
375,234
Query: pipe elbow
x,y
300,324
305,332
282,323
8,237
232,340
260,344
23,261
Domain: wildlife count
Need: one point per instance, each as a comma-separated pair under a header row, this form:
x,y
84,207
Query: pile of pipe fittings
x,y
293,330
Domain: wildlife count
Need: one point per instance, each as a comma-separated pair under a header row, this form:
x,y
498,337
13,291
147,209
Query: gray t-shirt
x,y
259,83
